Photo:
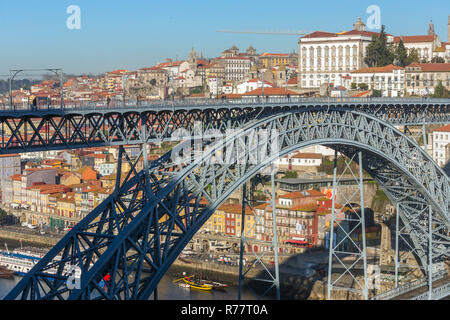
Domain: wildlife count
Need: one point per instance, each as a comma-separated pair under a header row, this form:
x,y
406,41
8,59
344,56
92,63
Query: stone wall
x,y
33,238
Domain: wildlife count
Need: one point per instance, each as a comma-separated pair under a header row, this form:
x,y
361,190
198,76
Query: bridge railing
x,y
408,287
436,294
130,103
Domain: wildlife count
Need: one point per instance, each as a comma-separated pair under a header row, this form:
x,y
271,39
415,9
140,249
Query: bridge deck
x,y
414,293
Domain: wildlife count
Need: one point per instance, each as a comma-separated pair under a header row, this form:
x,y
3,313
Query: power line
x,y
278,33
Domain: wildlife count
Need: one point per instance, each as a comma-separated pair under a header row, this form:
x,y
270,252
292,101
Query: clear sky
x,y
118,34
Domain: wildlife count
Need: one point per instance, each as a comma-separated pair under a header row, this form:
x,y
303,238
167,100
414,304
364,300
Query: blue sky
x,y
137,33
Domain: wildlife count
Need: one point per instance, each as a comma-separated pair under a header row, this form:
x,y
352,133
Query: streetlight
x,y
124,78
263,71
55,71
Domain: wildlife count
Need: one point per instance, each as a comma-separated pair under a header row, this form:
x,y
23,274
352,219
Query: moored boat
x,y
197,285
5,273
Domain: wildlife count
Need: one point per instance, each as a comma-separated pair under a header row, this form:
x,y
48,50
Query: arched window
x,y
319,51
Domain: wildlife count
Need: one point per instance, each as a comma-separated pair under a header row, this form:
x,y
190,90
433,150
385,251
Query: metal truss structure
x,y
99,125
347,239
135,235
272,279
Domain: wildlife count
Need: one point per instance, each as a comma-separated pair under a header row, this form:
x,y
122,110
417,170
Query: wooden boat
x,y
215,285
5,273
197,285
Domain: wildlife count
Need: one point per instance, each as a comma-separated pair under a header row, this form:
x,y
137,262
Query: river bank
x,y
15,233
292,279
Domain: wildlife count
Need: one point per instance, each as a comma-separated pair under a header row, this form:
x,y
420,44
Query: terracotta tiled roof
x,y
320,34
363,33
231,96
443,129
235,208
431,67
265,82
293,80
385,69
270,92
293,195
361,94
265,54
9,155
414,39
307,156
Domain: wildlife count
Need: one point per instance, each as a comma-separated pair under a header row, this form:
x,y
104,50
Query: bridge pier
x,y
274,279
346,245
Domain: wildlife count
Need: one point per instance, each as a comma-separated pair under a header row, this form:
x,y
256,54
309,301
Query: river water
x,y
167,290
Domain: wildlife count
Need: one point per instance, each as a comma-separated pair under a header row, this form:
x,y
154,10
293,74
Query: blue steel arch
x,y
132,235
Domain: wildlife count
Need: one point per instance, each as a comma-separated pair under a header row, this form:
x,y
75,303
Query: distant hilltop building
x,y
329,58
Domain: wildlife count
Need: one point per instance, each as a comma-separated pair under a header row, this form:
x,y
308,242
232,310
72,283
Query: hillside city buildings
x,y
59,188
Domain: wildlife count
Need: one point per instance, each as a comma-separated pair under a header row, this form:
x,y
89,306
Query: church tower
x,y
193,60
359,25
431,28
448,31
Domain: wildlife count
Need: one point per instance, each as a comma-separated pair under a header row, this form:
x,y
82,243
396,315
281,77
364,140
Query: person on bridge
x,y
108,101
34,103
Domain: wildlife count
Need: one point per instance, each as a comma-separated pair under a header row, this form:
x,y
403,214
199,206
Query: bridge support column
x,y
430,254
424,136
397,228
275,234
348,240
273,278
242,248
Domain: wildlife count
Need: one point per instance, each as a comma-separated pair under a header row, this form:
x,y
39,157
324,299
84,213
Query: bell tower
x,y
431,28
448,31
359,25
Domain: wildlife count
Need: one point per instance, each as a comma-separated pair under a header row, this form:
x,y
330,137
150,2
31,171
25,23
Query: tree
x,y
373,51
413,56
376,93
363,86
401,54
290,175
353,85
379,54
437,60
440,91
3,216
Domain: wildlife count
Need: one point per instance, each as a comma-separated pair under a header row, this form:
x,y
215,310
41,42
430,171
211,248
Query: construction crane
x,y
278,33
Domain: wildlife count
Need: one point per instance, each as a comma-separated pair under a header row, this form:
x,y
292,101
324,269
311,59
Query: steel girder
x,y
137,233
56,129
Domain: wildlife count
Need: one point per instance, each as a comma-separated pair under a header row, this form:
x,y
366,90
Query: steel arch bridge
x,y
138,232
98,125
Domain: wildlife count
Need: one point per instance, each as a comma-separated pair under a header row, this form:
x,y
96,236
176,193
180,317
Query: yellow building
x,y
227,219
65,205
270,60
216,223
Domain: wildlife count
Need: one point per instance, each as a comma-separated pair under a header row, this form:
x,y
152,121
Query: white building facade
x,y
390,80
441,139
326,57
